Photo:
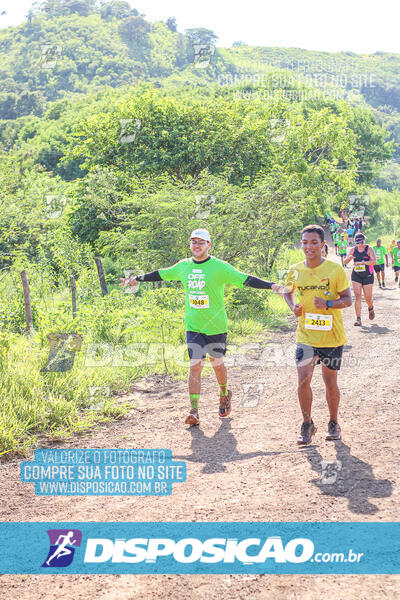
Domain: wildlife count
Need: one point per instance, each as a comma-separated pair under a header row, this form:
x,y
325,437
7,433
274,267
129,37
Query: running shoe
x,y
333,432
193,417
383,284
380,286
307,431
225,404
371,313
358,322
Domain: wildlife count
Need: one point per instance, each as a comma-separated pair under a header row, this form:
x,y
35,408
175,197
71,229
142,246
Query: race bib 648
x,y
199,301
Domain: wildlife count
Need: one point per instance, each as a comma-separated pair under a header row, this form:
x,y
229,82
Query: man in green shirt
x,y
342,247
336,239
396,261
381,255
204,278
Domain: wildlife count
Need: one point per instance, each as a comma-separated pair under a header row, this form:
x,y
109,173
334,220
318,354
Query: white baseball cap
x,y
202,234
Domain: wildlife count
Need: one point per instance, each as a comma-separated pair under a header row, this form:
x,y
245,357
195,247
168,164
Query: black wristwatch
x,y
329,304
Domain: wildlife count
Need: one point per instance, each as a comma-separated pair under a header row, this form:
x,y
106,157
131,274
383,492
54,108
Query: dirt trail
x,y
247,468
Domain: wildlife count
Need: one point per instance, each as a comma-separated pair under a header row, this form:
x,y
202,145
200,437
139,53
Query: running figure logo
x,y
251,394
62,547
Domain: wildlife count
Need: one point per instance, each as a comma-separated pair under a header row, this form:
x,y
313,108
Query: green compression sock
x,y
223,389
194,401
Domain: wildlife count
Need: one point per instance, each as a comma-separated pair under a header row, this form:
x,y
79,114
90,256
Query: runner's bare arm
x,y
297,309
372,255
343,301
349,257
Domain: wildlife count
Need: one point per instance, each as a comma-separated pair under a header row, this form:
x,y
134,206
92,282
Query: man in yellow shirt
x,y
323,290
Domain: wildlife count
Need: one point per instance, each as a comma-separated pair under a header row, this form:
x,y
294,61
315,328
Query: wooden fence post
x,y
102,278
73,294
27,299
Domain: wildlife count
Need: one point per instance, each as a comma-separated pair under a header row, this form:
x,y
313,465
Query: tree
x,y
57,8
371,146
184,136
171,24
7,105
201,36
117,9
29,103
32,12
183,51
135,30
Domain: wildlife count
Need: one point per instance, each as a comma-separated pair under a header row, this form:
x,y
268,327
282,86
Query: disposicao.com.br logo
x,y
200,547
213,550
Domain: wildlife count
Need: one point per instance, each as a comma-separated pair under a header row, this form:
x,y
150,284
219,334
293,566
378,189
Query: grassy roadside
x,y
125,338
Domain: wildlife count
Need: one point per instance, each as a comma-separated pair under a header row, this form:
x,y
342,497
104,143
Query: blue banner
x,y
200,548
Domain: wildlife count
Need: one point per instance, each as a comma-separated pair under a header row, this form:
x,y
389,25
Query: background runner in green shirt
x,y
342,247
396,261
204,278
336,239
381,255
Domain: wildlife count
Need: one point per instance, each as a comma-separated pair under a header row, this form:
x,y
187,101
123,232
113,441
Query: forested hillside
x,y
72,46
105,114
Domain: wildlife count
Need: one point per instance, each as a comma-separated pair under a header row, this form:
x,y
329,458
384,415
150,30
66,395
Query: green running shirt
x,y
342,245
380,252
204,285
396,256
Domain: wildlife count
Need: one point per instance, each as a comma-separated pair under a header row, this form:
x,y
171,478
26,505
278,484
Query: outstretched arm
x,y
173,273
261,284
152,276
133,280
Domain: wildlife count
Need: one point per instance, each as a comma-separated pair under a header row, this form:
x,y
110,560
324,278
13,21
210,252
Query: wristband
x,y
329,304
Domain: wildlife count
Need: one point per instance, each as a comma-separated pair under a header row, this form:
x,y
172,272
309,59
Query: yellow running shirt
x,y
319,328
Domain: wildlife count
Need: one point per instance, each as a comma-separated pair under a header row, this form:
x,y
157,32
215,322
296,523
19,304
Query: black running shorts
x,y
200,344
330,357
364,280
378,268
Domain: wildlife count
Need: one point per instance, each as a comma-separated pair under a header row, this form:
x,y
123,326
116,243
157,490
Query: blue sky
x,y
360,26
